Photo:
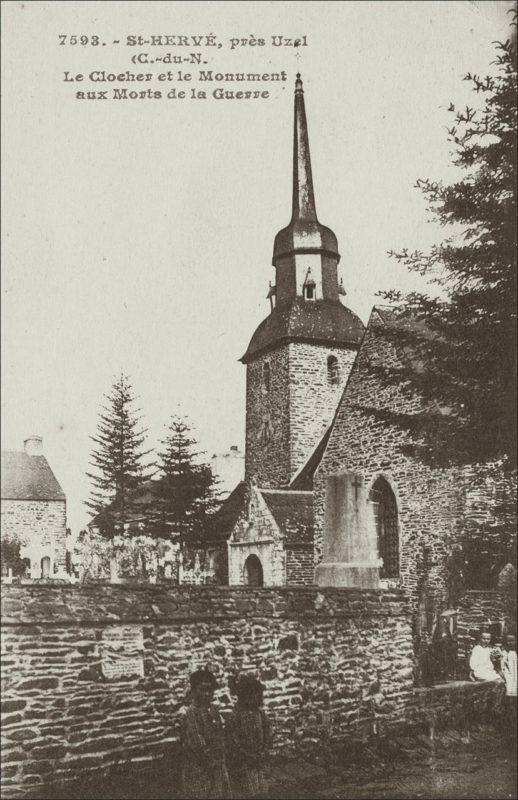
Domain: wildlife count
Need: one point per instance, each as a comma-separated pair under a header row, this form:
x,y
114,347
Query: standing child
x,y
510,673
248,736
204,772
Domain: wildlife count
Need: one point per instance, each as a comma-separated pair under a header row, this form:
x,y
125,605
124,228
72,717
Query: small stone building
x,y
271,543
33,510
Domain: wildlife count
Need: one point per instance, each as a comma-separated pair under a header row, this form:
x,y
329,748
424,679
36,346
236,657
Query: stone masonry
x,y
437,507
317,653
40,524
299,407
257,534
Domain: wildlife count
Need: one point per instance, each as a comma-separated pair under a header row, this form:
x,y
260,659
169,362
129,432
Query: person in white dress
x,y
510,673
480,663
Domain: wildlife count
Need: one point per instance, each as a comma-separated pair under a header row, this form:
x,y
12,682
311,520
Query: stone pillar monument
x,y
350,551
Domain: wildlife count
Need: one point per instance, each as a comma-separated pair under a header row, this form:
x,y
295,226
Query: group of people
x,y
225,760
496,663
229,760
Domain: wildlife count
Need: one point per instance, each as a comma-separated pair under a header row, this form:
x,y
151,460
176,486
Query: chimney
x,y
33,445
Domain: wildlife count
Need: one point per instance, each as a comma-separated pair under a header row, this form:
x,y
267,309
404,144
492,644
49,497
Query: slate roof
x,y
304,480
293,513
27,477
226,516
319,321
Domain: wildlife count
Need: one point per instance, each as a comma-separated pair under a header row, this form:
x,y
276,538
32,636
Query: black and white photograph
x,y
258,475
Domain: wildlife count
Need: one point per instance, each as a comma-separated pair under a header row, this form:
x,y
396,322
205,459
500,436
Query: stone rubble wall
x,y
313,399
267,450
300,566
459,704
437,506
316,651
299,405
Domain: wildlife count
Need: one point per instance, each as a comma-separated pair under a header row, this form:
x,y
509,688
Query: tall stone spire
x,y
303,195
305,301
304,234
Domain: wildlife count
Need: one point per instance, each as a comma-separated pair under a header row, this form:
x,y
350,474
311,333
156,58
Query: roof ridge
x,y
285,491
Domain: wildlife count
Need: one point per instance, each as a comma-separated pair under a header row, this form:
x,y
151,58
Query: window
x,y
266,376
333,373
309,287
45,567
386,517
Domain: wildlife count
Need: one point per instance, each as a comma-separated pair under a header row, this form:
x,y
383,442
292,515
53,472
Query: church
x,y
297,363
333,493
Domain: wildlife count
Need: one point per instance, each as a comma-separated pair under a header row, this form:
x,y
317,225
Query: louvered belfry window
x,y
333,374
386,517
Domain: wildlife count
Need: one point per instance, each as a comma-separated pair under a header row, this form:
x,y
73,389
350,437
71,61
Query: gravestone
x,y
350,552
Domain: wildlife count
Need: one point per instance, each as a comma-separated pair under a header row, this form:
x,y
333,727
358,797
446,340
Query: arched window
x,y
266,376
386,517
45,567
333,373
253,572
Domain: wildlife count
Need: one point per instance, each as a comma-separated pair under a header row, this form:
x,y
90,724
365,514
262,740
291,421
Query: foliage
x,y
10,556
119,480
463,341
185,495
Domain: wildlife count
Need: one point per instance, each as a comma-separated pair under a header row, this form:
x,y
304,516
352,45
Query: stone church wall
x,y
313,399
41,523
267,414
371,447
300,566
316,652
437,507
297,409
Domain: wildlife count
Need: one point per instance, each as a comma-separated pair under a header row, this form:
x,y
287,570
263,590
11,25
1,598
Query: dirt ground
x,y
409,768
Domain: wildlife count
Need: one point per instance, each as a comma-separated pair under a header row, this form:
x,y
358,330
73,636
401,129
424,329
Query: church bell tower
x,y
300,356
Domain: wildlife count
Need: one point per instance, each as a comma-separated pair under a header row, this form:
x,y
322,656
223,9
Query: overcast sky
x,y
138,235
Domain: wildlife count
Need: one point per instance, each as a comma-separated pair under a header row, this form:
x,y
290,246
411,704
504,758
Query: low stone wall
x,y
459,704
66,714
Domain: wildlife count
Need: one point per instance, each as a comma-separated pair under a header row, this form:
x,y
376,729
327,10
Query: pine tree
x,y
466,336
118,459
186,492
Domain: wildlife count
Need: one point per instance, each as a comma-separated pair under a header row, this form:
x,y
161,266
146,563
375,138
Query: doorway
x,y
253,572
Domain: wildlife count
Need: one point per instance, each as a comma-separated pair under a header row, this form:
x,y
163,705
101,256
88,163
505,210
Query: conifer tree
x,y
465,334
118,459
186,492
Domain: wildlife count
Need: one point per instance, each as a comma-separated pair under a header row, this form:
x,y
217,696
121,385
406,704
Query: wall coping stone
x,y
445,688
111,604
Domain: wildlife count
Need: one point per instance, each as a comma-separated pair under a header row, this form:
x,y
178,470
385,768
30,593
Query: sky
x,y
138,234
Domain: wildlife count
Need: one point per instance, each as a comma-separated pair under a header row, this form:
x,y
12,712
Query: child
x,y
204,772
248,737
510,672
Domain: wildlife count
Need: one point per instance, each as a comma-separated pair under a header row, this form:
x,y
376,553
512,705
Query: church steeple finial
x,y
303,195
305,301
304,233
